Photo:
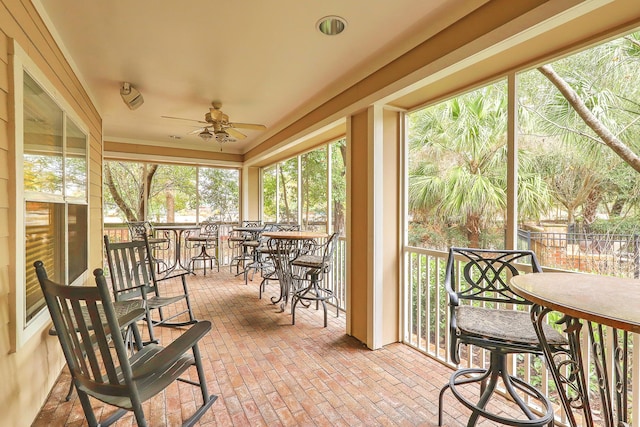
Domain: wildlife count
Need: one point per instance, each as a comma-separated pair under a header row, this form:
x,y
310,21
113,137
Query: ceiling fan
x,y
217,125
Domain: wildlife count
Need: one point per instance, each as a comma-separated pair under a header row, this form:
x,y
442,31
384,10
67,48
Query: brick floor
x,y
267,372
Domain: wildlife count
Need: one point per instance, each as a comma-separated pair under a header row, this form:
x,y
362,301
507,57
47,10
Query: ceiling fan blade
x,y
253,126
197,131
181,118
234,133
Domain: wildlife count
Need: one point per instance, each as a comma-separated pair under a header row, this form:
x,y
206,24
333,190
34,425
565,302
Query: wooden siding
x,y
30,371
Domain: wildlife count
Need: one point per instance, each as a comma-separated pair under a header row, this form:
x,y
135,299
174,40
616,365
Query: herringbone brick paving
x,y
268,372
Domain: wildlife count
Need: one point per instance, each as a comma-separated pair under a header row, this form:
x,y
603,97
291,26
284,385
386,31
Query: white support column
x,y
348,231
329,208
376,223
512,164
244,193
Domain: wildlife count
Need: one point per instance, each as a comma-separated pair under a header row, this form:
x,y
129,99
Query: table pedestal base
x,y
568,369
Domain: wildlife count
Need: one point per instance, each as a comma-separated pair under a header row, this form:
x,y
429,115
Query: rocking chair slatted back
x,y
128,269
84,324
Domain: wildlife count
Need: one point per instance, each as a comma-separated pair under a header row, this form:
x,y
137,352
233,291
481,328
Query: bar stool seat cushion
x,y
309,261
506,325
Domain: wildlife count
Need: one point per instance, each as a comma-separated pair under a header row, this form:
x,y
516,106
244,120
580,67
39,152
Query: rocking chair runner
x,y
84,318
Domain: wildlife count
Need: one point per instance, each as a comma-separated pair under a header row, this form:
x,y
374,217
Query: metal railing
x,y
427,329
599,253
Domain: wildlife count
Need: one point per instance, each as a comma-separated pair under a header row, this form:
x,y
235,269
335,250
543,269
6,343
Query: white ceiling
x,y
264,60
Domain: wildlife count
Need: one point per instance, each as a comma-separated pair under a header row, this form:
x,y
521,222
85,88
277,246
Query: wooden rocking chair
x,y
99,362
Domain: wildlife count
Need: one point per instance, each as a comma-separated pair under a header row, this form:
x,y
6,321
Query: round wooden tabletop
x,y
611,301
294,235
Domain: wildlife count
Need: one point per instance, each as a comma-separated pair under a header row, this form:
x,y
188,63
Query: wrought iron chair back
x,y
486,274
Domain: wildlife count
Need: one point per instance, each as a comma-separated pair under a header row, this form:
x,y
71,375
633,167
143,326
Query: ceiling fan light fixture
x,y
205,135
331,25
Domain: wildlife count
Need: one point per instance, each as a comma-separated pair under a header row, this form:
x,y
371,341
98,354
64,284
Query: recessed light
x,y
331,25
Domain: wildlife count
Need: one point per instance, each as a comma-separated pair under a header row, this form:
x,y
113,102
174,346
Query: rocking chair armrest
x,y
174,351
131,317
143,288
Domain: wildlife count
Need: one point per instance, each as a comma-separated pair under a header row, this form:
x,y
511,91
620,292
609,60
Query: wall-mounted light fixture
x,y
131,96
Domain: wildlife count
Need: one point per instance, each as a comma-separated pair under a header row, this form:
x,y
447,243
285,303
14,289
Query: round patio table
x,y
597,301
285,246
178,233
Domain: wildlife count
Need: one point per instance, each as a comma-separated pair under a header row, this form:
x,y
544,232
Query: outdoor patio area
x,y
268,372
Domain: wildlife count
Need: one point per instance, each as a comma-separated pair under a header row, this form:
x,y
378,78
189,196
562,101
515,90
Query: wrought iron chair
x,y
484,312
206,239
133,277
256,246
268,270
100,365
236,241
316,266
139,229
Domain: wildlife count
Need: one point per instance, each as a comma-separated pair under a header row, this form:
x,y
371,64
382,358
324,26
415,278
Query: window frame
x,y
21,63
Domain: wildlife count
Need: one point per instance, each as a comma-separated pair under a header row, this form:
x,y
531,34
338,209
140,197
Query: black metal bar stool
x,y
315,269
206,238
484,312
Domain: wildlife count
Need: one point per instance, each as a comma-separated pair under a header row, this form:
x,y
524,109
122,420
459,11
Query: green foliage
x,y
269,187
457,153
314,186
219,193
616,226
173,189
288,190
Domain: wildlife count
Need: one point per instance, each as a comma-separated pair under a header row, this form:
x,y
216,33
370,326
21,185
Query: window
x,y
457,171
316,178
313,184
585,215
172,193
51,193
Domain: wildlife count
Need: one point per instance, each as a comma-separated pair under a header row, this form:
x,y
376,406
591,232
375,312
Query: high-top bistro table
x,y
284,247
178,232
598,301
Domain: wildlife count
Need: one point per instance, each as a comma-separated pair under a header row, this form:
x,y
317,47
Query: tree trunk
x,y
618,205
150,170
143,194
590,207
591,120
473,230
171,206
129,214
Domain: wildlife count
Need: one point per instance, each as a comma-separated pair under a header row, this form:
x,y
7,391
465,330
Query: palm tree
x,y
458,163
587,107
